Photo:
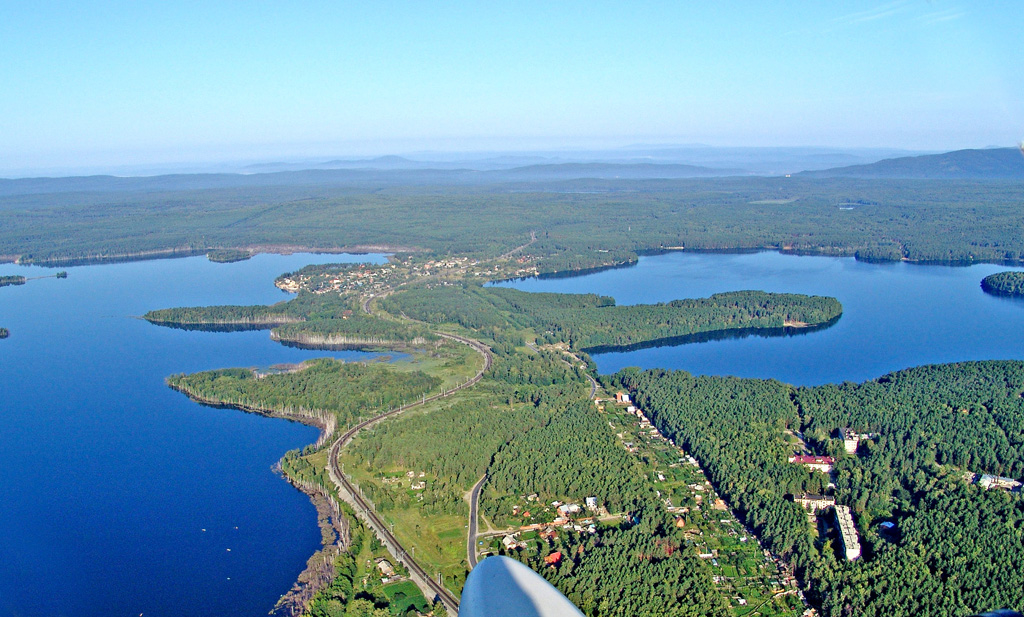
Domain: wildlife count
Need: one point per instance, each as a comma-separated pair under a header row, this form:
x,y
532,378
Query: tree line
x,y
1004,283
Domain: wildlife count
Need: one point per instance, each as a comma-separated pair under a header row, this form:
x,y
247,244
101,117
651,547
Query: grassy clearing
x,y
453,363
404,595
439,539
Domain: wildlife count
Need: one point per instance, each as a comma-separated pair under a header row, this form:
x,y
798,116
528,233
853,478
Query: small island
x,y
227,256
12,280
1009,283
4,333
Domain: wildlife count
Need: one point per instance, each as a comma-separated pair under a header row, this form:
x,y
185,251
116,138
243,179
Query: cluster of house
x,y
362,277
566,519
499,270
646,428
378,278
416,482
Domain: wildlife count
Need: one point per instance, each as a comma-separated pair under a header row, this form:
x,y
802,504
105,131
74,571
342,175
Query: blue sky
x,y
106,83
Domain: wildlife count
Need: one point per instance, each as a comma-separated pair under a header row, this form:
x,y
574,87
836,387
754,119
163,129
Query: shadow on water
x,y
204,327
571,274
716,335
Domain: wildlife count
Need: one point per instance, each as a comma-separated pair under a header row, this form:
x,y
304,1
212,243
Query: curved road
x,y
417,573
474,494
474,507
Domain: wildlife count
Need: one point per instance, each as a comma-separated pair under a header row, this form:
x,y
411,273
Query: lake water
x,y
895,315
108,477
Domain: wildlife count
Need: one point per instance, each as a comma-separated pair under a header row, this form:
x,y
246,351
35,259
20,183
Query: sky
x,y
105,83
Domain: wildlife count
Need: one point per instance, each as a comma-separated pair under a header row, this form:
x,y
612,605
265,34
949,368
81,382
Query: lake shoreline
x,y
180,252
334,528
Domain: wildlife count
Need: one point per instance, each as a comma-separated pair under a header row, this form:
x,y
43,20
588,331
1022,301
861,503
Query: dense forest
x,y
12,280
589,321
227,256
579,223
572,456
1004,284
957,549
264,316
349,390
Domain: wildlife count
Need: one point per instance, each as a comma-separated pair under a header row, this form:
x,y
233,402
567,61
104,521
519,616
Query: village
x,y
373,280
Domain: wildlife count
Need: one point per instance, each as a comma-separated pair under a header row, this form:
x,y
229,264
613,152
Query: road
x,y
352,495
533,238
474,510
593,382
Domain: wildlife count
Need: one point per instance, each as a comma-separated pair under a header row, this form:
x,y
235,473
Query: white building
x,y
848,532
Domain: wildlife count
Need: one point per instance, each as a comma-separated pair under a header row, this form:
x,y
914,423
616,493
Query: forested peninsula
x,y
581,321
314,320
346,390
1004,284
588,321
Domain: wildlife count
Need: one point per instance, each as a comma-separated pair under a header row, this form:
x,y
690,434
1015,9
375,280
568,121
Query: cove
x,y
894,315
109,477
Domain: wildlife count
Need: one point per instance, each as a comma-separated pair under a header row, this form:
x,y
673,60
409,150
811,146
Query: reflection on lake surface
x,y
717,335
119,496
894,315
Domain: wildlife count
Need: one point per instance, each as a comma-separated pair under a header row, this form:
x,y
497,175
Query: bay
x,y
895,315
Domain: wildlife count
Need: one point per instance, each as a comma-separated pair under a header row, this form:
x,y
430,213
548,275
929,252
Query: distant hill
x,y
628,171
989,164
356,176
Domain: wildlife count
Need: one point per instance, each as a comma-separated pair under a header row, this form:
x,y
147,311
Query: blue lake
x,y
894,315
109,477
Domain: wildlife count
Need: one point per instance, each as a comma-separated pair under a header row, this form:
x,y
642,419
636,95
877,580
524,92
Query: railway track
x,y
366,509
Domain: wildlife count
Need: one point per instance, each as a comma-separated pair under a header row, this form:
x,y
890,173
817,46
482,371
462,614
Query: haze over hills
x,y
769,161
648,164
721,160
986,164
